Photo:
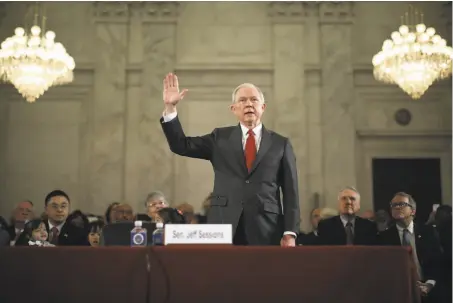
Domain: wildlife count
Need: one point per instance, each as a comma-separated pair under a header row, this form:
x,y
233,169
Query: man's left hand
x,y
288,241
425,288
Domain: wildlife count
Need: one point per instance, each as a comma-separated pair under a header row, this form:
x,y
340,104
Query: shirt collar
x,y
410,228
344,219
256,130
58,226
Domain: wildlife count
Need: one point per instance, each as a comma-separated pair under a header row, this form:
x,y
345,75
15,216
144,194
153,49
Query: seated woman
x,y
170,215
94,235
34,234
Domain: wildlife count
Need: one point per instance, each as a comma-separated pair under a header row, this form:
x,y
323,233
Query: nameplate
x,y
198,234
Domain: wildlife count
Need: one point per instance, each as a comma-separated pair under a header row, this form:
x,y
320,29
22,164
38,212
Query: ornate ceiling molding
x,y
299,12
122,12
116,12
336,12
158,12
288,11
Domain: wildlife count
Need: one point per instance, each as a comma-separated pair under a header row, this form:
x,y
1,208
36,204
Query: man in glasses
x,y
421,238
61,233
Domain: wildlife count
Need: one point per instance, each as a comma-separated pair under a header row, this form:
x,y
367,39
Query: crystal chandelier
x,y
33,62
414,58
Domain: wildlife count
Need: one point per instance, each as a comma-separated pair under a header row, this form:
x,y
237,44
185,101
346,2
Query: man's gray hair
x,y
249,85
411,199
155,195
348,188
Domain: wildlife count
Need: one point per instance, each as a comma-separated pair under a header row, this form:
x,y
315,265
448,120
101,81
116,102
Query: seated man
x,y
347,228
61,232
421,238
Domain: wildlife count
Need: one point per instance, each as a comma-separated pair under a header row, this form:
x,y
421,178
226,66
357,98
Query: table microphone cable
x,y
165,274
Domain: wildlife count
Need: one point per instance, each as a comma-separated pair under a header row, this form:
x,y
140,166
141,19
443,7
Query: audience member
x,y
123,212
34,231
57,205
347,228
109,212
420,238
155,201
95,230
21,215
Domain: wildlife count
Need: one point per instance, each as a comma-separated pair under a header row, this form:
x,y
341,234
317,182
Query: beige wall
x,y
100,139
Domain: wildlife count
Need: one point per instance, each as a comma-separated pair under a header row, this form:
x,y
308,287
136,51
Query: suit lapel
x,y
341,230
394,236
417,236
46,223
63,235
235,141
358,228
265,144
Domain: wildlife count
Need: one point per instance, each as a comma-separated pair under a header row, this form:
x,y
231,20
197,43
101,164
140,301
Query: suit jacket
x,y
427,246
445,236
308,239
254,194
4,238
331,231
70,235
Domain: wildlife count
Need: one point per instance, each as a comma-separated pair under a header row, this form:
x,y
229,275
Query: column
x,y
337,98
107,114
156,163
315,152
288,105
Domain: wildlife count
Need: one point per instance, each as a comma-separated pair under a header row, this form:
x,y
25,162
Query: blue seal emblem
x,y
138,239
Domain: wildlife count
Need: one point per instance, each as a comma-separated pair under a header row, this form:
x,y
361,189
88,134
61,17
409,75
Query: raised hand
x,y
171,93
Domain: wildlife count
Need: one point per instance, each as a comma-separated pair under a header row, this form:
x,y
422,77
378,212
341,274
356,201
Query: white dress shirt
x,y
410,228
59,227
345,221
258,130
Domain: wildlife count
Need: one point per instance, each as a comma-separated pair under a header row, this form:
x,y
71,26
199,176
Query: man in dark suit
x,y
22,214
61,232
422,238
252,166
347,228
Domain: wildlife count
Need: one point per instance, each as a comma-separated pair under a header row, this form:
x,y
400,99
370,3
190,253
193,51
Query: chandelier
x,y
33,62
414,58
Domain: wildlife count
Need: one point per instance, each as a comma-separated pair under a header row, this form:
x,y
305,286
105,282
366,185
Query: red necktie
x,y
250,149
54,235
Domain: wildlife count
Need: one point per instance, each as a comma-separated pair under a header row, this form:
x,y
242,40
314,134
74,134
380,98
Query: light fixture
x,y
414,58
33,62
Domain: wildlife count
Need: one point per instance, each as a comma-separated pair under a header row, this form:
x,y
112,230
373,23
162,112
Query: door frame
x,y
388,146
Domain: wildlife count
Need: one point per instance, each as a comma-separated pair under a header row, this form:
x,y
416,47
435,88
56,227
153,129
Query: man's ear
x,y
413,213
232,107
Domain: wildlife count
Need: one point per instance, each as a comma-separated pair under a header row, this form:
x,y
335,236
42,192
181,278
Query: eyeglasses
x,y
25,210
399,205
56,206
123,212
154,204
